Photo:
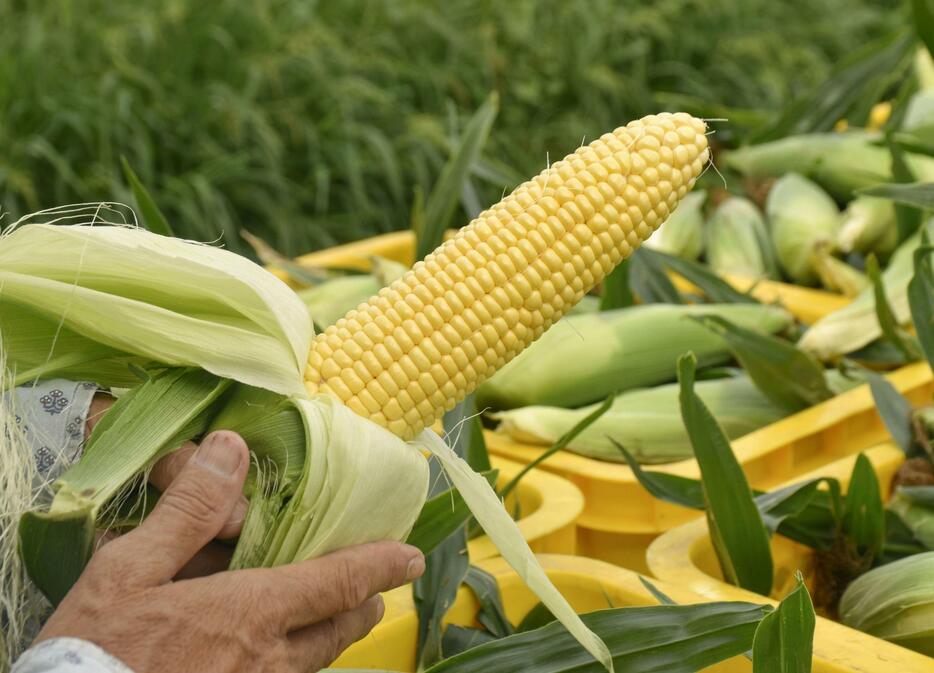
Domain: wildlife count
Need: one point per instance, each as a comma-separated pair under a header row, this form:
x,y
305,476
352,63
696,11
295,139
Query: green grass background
x,y
313,123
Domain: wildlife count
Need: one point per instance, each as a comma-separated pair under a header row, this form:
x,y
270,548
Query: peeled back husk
x,y
895,602
856,325
840,162
582,359
647,422
682,234
801,217
738,241
868,224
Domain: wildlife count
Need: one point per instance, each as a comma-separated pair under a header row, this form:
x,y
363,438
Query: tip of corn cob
x,y
429,339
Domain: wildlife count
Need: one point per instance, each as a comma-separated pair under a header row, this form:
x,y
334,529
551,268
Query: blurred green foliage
x,y
313,123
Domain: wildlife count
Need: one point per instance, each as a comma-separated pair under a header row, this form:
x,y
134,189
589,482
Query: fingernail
x,y
219,454
380,607
415,568
239,512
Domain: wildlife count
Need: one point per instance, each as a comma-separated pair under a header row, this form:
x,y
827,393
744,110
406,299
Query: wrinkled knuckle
x,y
353,586
194,501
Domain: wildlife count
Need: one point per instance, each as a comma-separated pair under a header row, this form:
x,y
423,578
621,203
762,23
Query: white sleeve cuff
x,y
68,655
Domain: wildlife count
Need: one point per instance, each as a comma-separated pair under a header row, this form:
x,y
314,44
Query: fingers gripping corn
x,y
425,342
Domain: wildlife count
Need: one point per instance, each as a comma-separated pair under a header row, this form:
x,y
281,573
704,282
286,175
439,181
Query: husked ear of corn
x,y
682,234
618,350
738,241
425,342
801,217
895,602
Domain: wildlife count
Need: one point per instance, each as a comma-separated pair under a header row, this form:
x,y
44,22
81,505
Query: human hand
x,y
297,617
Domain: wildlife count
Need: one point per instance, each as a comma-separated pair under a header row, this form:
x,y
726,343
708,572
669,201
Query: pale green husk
x,y
868,225
682,234
171,302
646,422
920,112
330,300
801,217
856,325
582,359
895,602
738,241
840,162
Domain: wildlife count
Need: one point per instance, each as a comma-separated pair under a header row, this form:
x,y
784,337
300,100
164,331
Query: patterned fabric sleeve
x,y
68,655
52,416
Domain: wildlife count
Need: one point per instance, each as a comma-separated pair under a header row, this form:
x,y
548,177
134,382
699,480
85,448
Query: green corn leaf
x,y
153,219
914,194
850,92
536,618
463,425
785,374
441,516
893,408
616,290
639,638
923,14
921,298
649,280
562,442
863,513
656,592
784,639
55,549
904,342
672,488
908,219
459,639
736,528
446,194
714,288
492,615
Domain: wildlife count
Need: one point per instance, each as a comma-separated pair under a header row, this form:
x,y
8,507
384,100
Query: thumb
x,y
195,507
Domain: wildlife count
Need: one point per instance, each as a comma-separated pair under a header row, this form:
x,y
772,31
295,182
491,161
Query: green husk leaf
x,y
863,513
617,292
649,281
441,516
492,615
903,341
713,287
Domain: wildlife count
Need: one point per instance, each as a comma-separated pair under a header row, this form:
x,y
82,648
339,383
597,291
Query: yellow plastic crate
x,y
588,585
548,511
621,519
685,556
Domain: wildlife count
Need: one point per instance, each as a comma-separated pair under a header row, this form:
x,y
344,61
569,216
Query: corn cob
x,y
425,342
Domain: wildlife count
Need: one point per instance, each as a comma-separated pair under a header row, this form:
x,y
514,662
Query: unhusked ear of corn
x,y
647,421
425,342
801,217
895,602
840,162
682,234
618,350
738,241
856,325
868,225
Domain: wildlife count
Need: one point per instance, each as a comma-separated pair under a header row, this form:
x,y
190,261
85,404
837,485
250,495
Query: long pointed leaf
x,y
736,528
784,639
